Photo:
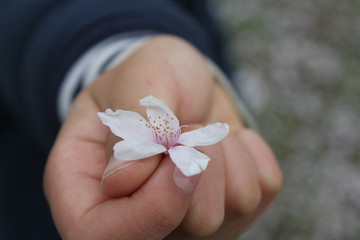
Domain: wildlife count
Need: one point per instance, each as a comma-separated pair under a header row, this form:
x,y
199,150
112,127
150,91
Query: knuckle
x,y
272,183
165,217
205,223
246,201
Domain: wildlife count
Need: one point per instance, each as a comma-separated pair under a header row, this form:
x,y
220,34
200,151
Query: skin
x,y
142,201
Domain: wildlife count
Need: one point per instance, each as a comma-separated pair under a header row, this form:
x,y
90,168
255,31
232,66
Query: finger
x,y
223,109
206,212
126,178
269,180
270,175
243,193
122,178
154,211
75,165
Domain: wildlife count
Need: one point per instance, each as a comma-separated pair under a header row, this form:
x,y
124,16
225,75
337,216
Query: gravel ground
x,y
299,69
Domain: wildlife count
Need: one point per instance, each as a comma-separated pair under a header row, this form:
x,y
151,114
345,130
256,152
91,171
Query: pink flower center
x,y
164,133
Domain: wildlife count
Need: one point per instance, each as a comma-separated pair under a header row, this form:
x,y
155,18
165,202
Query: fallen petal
x,y
127,150
205,136
188,160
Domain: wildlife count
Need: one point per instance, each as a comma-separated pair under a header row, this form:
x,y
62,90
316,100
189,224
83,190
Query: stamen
x,y
164,133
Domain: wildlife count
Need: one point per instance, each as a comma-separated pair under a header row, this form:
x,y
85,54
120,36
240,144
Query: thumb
x,y
122,178
152,212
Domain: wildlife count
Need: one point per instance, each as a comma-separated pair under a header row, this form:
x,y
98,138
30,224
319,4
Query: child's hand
x,y
142,201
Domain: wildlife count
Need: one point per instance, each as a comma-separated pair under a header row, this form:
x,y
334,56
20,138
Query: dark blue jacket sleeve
x,y
41,39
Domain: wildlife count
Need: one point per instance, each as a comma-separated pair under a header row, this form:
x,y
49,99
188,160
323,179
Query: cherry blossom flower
x,y
161,134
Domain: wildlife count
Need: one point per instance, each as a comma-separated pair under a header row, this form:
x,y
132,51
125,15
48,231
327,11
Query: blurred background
x,y
298,64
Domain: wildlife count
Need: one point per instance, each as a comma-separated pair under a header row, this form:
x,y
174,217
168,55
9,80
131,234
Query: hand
x,y
142,201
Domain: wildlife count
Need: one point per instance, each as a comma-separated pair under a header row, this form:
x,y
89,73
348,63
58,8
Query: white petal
x,y
126,124
205,136
159,113
127,150
189,160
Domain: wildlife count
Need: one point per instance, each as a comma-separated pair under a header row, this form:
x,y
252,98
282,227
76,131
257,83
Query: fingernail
x,y
187,184
114,166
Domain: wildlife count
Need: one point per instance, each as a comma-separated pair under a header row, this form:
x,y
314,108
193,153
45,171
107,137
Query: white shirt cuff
x,y
96,60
